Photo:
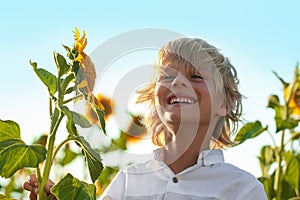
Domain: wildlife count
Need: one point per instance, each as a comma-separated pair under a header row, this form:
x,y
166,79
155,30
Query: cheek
x,y
158,94
210,100
205,97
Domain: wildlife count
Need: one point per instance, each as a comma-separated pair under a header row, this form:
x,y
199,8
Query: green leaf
x,y
14,153
71,188
54,117
294,198
295,136
70,53
75,68
266,159
281,121
9,130
273,101
70,90
80,74
100,114
92,158
81,120
3,197
249,130
107,175
287,192
62,66
46,77
66,82
268,183
77,118
285,84
120,142
292,171
69,156
68,49
10,187
70,125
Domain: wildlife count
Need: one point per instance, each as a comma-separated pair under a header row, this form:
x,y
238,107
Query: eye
x,y
166,77
196,77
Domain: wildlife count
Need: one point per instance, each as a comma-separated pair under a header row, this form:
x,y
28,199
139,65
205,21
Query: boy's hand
x,y
31,185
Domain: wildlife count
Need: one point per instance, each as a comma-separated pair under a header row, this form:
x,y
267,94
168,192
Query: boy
x,y
195,105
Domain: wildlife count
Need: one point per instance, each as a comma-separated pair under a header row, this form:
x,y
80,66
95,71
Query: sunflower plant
x,y
280,161
74,80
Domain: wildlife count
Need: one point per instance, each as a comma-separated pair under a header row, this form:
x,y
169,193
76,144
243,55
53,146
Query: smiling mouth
x,y
181,100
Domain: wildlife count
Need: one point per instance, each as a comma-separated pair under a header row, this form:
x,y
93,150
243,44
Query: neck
x,y
185,147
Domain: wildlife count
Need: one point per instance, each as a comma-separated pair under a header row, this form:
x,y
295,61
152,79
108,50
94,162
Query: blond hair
x,y
191,51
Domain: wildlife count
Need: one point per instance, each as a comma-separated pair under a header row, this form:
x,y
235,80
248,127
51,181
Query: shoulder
x,y
238,182
233,174
233,171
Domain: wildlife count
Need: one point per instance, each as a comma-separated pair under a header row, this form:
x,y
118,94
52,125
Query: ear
x,y
222,109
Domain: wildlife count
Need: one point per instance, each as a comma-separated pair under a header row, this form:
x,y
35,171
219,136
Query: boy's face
x,y
184,95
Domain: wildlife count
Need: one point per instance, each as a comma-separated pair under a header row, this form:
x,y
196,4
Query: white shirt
x,y
209,179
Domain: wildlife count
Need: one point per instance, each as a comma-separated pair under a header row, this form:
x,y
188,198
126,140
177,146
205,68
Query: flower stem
x,y
272,138
278,175
73,98
38,174
50,106
60,145
48,163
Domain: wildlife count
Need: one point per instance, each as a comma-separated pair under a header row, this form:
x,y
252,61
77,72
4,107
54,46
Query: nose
x,y
179,80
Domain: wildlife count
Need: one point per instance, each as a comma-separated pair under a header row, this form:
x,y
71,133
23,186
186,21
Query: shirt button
x,y
175,179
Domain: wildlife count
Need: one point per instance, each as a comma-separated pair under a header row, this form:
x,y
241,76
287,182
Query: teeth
x,y
181,100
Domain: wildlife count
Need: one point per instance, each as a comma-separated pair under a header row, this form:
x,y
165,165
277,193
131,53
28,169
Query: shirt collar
x,y
205,158
210,157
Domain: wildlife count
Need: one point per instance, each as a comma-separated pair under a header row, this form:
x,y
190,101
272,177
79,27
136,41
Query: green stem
x,y
50,106
60,145
38,174
59,91
292,138
73,98
48,163
272,138
278,175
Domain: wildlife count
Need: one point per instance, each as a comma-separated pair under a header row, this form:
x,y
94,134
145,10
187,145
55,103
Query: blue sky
x,y
258,36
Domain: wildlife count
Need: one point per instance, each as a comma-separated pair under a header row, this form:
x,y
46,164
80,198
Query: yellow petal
x,y
76,34
287,92
79,58
82,38
99,105
84,44
82,84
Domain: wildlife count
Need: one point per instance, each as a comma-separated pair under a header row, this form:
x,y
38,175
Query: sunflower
x,y
80,44
99,188
292,91
136,130
87,72
104,103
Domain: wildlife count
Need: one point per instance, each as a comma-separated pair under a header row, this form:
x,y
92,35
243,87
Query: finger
x,y
27,186
32,180
49,185
32,196
47,188
50,182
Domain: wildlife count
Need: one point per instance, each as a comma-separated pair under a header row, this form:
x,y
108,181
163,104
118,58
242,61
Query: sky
x,y
257,36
